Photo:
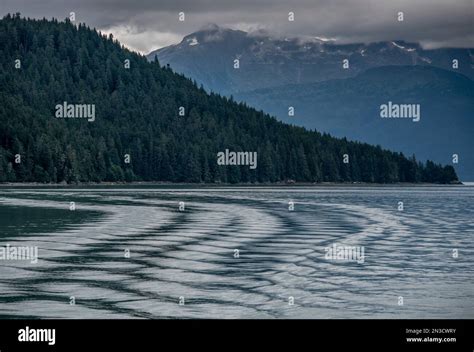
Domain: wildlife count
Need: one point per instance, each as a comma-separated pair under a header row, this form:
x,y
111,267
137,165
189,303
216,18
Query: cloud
x,y
144,25
142,41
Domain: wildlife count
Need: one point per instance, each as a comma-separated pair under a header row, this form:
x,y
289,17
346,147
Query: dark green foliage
x,y
137,114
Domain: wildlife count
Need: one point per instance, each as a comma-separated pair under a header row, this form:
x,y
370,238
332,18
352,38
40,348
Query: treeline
x,y
137,114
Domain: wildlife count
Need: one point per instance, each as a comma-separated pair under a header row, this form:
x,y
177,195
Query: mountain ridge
x,y
137,117
267,61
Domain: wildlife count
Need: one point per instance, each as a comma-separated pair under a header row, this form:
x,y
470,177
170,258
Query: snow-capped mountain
x,y
266,61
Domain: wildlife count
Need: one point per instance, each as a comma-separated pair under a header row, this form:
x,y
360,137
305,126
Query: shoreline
x,y
219,185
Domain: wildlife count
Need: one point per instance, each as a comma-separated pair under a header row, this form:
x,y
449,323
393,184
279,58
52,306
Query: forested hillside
x,y
45,63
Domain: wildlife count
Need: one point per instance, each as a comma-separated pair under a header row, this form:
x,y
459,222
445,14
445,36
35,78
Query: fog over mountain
x,y
267,61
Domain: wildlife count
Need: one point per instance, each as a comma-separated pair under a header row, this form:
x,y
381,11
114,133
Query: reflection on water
x,y
192,255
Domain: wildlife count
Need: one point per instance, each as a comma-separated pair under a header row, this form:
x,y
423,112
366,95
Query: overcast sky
x,y
144,25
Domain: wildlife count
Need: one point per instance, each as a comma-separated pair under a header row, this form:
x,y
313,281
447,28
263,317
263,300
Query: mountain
x,y
265,61
77,106
351,108
308,74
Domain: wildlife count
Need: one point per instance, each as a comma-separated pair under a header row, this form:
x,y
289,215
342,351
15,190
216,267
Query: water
x,y
191,253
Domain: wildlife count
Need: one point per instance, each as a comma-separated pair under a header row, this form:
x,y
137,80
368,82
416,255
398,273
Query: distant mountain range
x,y
265,61
308,75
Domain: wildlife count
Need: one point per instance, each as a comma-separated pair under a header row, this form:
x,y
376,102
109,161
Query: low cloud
x,y
144,25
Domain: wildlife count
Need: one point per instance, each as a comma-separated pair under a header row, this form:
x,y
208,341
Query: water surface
x,y
190,254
